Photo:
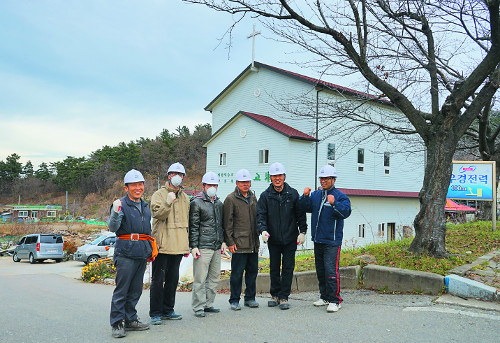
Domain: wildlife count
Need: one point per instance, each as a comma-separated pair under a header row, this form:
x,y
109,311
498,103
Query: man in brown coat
x,y
170,210
242,239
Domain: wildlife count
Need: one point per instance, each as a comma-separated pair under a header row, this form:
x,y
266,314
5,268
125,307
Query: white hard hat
x,y
277,169
177,168
133,176
210,178
328,171
243,175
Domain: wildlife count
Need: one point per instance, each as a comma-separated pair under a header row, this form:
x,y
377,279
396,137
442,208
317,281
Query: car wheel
x,y
58,260
92,259
15,258
32,259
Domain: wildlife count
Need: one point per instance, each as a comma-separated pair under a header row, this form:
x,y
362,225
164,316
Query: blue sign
x,y
472,181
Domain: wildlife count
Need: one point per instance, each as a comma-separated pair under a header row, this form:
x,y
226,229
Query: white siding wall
x,y
372,211
244,153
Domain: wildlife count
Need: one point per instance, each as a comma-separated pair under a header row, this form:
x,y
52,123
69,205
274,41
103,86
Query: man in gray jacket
x,y
206,237
242,239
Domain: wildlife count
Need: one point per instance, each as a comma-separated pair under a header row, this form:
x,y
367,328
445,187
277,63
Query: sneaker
x,y
235,307
273,302
251,303
284,305
200,314
333,307
136,325
211,309
118,330
321,302
172,316
156,320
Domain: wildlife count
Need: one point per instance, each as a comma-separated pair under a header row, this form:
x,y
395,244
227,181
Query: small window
x,y
23,214
330,155
361,160
222,159
34,214
387,162
51,213
361,229
381,230
263,156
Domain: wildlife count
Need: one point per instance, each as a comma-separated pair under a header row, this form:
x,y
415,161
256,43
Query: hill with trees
x,y
93,182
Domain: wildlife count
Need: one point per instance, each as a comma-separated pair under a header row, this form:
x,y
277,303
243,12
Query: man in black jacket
x,y
206,237
283,226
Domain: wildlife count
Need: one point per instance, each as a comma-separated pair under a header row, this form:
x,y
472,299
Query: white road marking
x,y
451,311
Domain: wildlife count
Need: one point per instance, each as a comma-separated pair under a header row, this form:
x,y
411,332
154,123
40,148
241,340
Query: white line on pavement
x,y
451,311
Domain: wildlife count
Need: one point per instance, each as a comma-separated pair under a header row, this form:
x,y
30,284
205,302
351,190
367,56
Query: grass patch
x,y
465,243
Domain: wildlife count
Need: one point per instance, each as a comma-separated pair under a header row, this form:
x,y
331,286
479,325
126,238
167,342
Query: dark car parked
x,y
39,247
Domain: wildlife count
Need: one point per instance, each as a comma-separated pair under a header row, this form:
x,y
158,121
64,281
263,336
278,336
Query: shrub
x,y
69,247
98,271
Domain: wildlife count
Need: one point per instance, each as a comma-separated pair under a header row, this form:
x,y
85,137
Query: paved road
x,y
46,303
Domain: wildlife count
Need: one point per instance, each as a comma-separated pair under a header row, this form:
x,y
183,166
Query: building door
x,y
391,231
34,214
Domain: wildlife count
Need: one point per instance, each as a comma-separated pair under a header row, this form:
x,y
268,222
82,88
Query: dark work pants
x,y
164,284
281,257
128,290
248,263
327,270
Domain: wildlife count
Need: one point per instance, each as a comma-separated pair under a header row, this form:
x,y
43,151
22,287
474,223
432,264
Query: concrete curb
x,y
462,287
386,278
401,280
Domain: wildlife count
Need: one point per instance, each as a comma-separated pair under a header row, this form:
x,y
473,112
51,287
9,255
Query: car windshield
x,y
97,240
51,239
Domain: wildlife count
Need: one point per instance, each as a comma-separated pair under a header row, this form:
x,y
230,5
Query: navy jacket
x,y
327,221
279,214
132,221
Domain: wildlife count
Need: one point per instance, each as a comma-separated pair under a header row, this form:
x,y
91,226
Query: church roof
x,y
271,123
378,193
303,78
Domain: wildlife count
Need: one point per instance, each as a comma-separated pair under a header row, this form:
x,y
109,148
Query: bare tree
x,y
441,68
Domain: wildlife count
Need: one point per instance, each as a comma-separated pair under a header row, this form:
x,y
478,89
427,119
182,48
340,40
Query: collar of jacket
x,y
239,195
170,189
203,196
130,202
272,190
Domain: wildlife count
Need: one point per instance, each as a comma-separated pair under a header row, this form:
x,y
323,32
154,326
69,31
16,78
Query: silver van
x,y
39,247
96,249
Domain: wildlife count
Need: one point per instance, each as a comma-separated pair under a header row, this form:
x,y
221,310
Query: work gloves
x,y
170,198
117,205
265,236
301,239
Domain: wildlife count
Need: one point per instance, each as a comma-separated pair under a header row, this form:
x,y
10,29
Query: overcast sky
x,y
78,75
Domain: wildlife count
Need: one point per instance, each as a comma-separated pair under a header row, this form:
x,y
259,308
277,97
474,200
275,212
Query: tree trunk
x,y
430,222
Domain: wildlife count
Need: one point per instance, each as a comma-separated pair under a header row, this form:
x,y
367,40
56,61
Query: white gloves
x,y
265,236
223,248
301,239
170,198
196,252
117,205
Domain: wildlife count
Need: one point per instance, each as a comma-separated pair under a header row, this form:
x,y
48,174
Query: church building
x,y
268,114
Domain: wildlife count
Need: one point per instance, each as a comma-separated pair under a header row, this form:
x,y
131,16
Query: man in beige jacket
x,y
170,211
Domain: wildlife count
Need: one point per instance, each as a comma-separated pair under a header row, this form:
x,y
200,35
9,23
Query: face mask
x,y
176,181
211,192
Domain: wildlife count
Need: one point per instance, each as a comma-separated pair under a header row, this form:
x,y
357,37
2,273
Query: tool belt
x,y
142,237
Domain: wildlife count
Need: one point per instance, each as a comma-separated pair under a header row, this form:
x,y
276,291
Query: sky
x,y
78,75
